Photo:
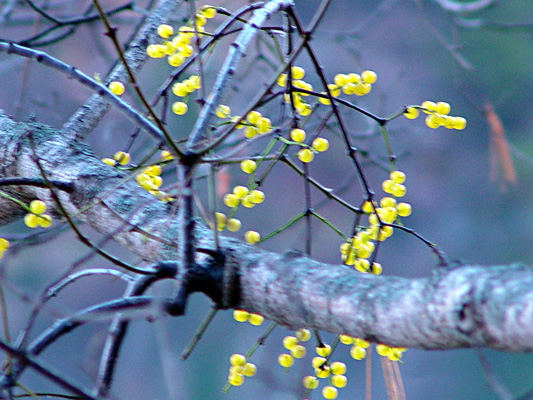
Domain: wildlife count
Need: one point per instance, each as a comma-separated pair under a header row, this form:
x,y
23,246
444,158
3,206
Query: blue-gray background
x,y
454,202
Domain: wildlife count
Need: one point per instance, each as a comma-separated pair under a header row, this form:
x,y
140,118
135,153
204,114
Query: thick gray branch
x,y
453,307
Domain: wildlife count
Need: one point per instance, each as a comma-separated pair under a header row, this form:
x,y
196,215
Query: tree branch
x,y
467,306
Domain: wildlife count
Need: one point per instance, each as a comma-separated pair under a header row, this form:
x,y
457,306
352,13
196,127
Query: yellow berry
x,y
339,381
37,207
323,372
256,319
397,176
383,350
44,220
235,379
109,161
387,202
241,315
361,265
320,144
180,89
318,362
285,360
289,342
122,158
4,244
324,100
411,113
395,355
166,155
460,123
220,220
338,368
240,191
298,135
310,382
323,350
256,196
362,343
334,90
165,31
305,155
223,111
442,108
233,224
248,166
349,88
153,170
357,353
253,117
369,76
429,106
282,80
345,339
200,20
179,108
297,72
376,267
249,369
31,220
303,334
231,200
298,351
399,191
252,237
250,132
208,11
247,201
403,209
264,125
388,186
353,77
237,360
117,88
362,88
155,51
329,392
175,60
340,79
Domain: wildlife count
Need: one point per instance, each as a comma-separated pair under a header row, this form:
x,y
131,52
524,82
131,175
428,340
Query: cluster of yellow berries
x,y
4,245
358,346
253,124
392,353
178,48
231,224
245,316
37,217
333,371
120,157
183,89
292,343
150,180
352,83
307,153
438,115
360,247
241,195
239,369
297,74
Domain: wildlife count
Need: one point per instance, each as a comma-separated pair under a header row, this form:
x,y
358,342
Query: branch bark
x,y
465,306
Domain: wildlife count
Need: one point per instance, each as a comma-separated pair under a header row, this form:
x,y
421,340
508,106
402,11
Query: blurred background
x,y
420,51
